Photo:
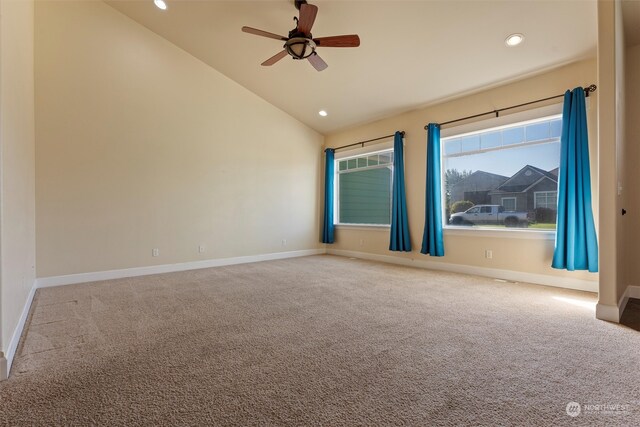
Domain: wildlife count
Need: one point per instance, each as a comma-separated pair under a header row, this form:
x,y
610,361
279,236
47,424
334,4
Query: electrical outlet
x,y
284,242
201,249
488,254
361,242
155,252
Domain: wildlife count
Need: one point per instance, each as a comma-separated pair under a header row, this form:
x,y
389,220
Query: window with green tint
x,y
364,192
385,158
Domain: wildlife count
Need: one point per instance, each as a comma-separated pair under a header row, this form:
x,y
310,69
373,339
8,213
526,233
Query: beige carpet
x,y
320,340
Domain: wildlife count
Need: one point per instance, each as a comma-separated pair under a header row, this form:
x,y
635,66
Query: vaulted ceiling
x,y
412,53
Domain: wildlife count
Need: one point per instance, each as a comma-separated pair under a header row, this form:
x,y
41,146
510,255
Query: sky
x,y
509,161
510,148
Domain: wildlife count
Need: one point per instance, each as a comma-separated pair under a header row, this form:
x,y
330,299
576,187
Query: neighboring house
x,y
528,189
476,187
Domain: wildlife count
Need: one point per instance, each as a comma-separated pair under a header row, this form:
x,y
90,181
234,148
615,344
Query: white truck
x,y
490,214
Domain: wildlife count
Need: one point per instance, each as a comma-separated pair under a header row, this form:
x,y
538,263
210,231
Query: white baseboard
x,y
516,276
17,333
604,312
613,313
45,282
610,313
6,360
633,292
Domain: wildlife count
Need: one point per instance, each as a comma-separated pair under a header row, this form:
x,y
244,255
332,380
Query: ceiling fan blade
x,y
317,62
351,40
275,58
263,33
308,14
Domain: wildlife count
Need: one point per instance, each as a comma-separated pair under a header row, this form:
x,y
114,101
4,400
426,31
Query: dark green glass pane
x,y
365,197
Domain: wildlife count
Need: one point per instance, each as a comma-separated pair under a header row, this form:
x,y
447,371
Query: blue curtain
x,y
400,239
432,241
576,245
327,229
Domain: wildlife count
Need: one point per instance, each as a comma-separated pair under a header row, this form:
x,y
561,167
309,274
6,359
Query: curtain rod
x,y
364,142
587,91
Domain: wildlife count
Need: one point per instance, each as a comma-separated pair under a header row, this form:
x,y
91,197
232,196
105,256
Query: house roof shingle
x,y
512,186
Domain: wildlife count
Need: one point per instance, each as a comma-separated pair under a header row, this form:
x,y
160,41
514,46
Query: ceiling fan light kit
x,y
300,47
300,43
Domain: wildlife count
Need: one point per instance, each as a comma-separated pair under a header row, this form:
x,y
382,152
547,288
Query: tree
x,y
452,177
461,206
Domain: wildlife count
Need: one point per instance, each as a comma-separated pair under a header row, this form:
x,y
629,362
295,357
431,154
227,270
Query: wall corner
x,y
610,313
4,374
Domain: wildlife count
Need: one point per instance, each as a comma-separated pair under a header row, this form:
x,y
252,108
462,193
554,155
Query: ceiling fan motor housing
x,y
300,47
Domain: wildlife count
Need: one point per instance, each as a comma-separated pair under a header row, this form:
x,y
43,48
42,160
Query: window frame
x,y
378,148
515,202
535,198
491,124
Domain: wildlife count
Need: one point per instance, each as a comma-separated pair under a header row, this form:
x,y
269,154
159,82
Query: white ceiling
x,y
412,53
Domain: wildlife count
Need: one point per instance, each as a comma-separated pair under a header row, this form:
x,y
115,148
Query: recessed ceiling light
x,y
322,113
161,4
514,39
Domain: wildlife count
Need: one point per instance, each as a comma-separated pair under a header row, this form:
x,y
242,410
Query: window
x,y
509,203
546,199
364,189
500,176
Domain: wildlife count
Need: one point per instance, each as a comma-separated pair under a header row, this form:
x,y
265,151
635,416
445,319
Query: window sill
x,y
381,227
496,232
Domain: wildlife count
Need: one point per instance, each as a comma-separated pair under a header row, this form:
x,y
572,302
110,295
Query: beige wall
x,y
622,225
142,146
609,60
17,191
632,174
517,254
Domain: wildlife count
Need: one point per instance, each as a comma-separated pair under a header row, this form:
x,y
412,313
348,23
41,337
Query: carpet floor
x,y
320,340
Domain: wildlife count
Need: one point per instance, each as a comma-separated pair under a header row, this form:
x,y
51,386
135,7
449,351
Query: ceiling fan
x,y
300,44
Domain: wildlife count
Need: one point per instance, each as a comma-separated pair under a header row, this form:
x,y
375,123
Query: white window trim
x,y
363,226
524,233
385,146
505,120
494,122
369,149
515,202
364,168
535,197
